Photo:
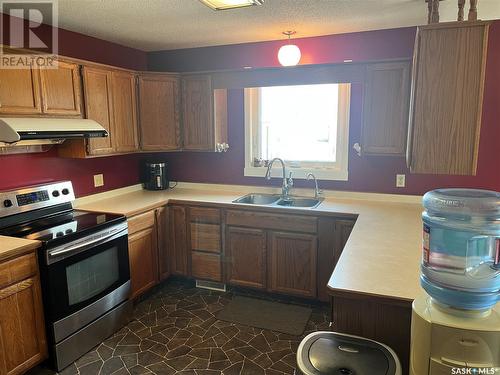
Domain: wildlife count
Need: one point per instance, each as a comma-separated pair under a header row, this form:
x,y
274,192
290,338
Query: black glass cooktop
x,y
62,226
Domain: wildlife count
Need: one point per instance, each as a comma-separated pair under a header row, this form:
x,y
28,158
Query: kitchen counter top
x,y
11,247
381,257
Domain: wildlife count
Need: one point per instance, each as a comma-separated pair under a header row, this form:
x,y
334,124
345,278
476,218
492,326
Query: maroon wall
x,y
119,171
370,174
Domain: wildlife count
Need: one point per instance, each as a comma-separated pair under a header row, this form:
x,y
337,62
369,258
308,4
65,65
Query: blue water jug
x,y
461,247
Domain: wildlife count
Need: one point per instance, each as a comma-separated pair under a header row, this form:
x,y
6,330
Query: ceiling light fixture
x,y
289,54
230,4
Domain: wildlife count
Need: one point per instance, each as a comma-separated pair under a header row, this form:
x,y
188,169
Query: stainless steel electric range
x,y
84,266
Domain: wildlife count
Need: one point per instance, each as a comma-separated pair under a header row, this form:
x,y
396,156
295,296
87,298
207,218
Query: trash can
x,y
337,353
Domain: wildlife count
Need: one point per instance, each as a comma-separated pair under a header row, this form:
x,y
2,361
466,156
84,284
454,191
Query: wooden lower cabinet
x,y
162,235
292,263
246,257
143,254
22,330
206,266
178,247
380,319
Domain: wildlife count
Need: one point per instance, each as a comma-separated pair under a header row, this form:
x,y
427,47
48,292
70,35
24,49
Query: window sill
x,y
299,173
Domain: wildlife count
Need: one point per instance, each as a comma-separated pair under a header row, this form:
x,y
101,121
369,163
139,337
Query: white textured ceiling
x,y
152,25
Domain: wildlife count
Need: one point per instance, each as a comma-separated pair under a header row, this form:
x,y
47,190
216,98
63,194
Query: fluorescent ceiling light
x,y
230,4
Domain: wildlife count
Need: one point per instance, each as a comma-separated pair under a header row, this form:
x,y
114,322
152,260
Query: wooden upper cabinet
x,y
292,263
159,111
385,109
447,96
123,96
20,92
98,107
61,90
204,114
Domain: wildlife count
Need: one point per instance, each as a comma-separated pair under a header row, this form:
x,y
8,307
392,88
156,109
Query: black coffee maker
x,y
154,176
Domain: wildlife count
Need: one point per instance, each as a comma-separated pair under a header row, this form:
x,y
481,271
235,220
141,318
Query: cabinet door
x,y
20,92
124,112
162,232
197,104
143,252
178,248
98,107
61,91
343,229
22,330
159,102
385,110
448,81
246,257
292,263
206,266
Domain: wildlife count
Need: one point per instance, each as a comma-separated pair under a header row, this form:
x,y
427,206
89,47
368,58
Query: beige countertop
x,y
11,247
381,257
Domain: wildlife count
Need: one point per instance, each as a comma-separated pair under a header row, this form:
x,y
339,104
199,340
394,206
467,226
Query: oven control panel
x,y
32,198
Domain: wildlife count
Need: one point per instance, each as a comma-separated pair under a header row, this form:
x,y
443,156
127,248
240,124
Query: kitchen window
x,y
306,125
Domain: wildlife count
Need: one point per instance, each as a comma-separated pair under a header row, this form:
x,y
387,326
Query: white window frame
x,y
337,172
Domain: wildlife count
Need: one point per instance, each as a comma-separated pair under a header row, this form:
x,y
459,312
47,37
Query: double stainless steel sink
x,y
278,201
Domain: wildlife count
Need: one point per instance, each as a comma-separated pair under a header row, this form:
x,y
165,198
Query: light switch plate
x,y
400,180
98,180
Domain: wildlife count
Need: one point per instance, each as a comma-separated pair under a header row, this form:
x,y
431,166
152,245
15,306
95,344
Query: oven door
x,y
85,279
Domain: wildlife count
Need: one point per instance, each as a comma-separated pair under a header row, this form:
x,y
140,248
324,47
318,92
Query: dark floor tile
x,y
234,369
180,363
251,368
148,358
112,365
161,368
92,368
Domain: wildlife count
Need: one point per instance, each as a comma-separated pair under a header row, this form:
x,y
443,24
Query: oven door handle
x,y
82,245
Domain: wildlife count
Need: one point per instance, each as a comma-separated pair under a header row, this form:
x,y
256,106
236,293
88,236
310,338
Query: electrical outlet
x,y
400,180
98,180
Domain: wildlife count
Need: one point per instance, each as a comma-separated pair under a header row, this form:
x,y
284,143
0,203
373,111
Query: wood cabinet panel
x,y
159,111
162,233
99,107
20,92
141,222
143,252
178,247
246,257
266,220
206,237
385,109
292,263
197,103
447,96
61,91
205,215
124,112
17,269
377,319
206,266
22,331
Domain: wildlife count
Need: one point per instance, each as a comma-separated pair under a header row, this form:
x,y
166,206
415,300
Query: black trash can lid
x,y
333,353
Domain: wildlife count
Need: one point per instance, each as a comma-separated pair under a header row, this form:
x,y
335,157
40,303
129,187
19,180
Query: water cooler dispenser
x,y
456,323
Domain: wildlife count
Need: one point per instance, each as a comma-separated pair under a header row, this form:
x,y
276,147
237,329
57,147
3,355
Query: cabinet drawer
x,y
205,237
17,269
140,222
206,266
204,215
272,221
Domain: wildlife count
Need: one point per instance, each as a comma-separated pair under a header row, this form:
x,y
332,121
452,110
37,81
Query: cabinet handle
x,y
357,148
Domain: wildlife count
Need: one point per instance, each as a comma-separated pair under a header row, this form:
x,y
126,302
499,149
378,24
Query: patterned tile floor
x,y
174,331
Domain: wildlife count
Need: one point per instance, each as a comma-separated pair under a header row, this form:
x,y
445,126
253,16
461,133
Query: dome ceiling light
x,y
230,4
289,54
